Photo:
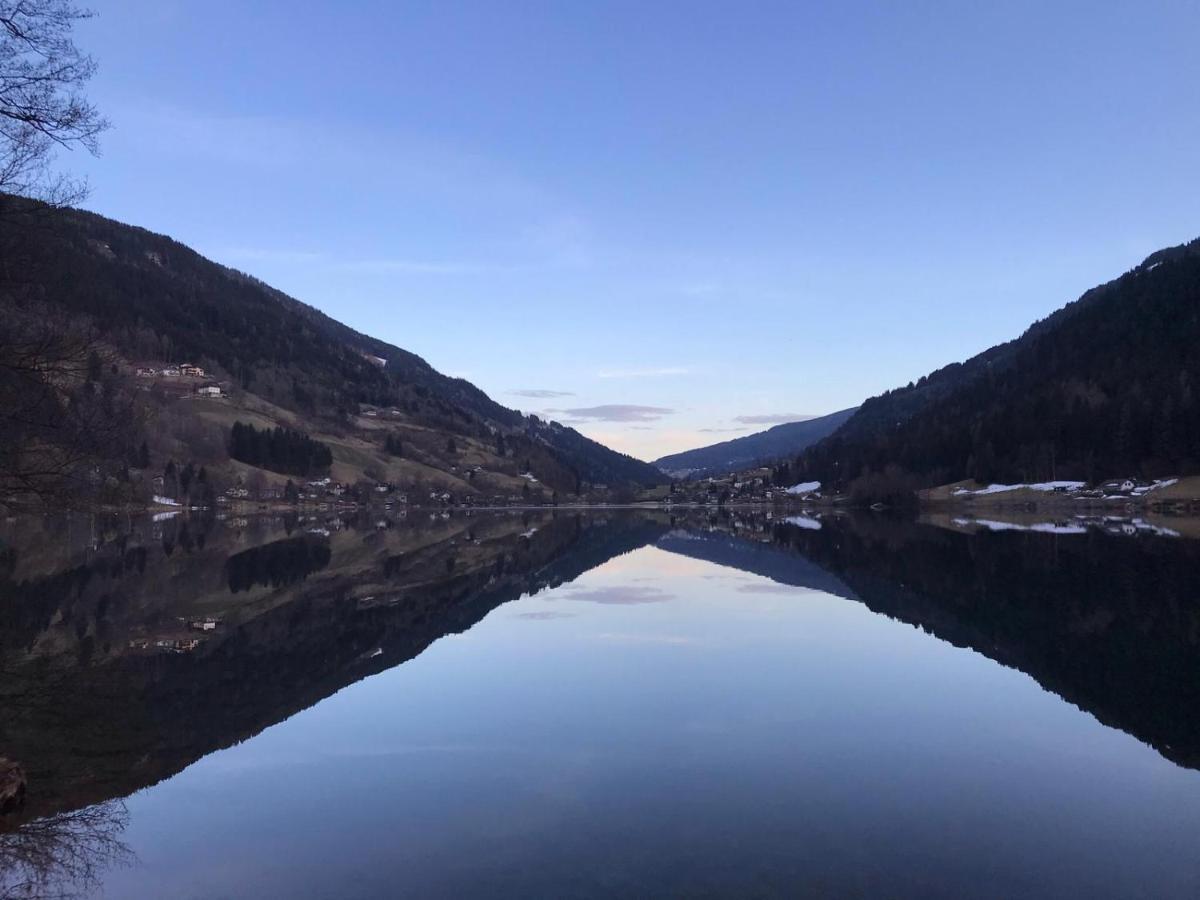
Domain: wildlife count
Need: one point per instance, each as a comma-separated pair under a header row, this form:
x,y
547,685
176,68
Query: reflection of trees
x,y
65,854
277,564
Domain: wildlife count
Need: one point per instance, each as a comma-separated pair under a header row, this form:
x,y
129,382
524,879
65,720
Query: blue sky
x,y
667,223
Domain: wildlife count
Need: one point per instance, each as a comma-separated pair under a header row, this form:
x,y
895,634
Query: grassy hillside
x,y
154,302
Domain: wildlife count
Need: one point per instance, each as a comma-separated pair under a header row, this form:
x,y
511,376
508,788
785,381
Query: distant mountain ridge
x,y
750,450
153,298
1105,386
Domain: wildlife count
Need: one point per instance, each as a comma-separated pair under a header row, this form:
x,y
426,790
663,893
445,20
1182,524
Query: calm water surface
x,y
591,704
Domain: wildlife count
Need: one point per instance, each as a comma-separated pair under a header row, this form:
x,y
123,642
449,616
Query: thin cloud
x,y
772,588
615,412
413,266
772,418
264,254
661,372
621,595
722,430
325,260
700,289
540,394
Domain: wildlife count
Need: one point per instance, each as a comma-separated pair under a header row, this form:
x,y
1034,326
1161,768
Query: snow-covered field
x,y
805,487
1066,487
1037,486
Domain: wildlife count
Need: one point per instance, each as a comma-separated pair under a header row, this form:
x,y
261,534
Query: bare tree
x,y
42,109
60,422
65,422
64,855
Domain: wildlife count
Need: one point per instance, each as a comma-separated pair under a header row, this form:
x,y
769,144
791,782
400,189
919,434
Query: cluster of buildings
x,y
374,412
174,641
320,491
753,486
181,371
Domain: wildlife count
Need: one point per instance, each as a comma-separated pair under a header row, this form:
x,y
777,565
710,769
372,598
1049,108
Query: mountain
x,y
1104,387
752,449
384,412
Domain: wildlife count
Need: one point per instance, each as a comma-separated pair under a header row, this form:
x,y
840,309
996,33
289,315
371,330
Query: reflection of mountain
x,y
95,708
725,549
104,691
1110,623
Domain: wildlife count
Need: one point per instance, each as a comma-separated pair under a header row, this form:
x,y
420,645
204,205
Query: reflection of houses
x,y
210,390
166,645
145,372
1119,486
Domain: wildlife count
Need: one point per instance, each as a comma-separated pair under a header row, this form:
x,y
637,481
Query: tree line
x,y
279,449
1105,388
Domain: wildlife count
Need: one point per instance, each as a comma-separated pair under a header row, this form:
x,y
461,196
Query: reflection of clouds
x,y
773,419
548,614
541,393
675,640
626,595
770,589
615,412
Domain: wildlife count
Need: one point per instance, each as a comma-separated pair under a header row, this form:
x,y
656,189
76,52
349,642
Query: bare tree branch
x,y
64,855
42,107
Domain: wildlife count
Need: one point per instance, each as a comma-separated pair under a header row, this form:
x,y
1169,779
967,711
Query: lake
x,y
580,703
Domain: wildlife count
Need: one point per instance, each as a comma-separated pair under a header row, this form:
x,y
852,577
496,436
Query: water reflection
x,y
64,854
132,651
129,649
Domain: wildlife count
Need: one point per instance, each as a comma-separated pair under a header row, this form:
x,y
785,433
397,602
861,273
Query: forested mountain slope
x,y
750,450
154,301
1104,387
